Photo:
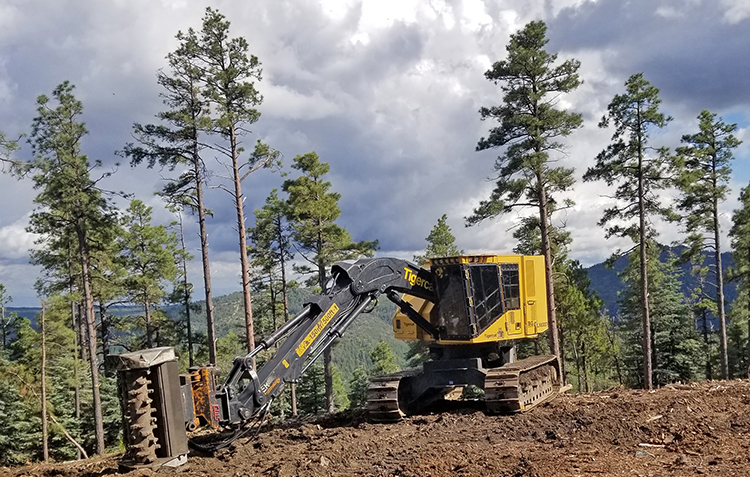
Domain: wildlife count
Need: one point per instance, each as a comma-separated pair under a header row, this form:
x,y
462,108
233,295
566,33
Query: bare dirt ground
x,y
697,429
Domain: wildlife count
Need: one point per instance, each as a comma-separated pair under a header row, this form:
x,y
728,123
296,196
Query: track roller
x,y
519,386
382,398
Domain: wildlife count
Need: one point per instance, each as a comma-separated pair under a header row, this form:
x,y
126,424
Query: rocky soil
x,y
680,430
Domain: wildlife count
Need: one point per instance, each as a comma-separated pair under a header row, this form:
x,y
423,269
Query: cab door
x,y
535,295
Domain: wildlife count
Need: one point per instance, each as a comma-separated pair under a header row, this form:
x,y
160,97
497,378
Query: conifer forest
x,y
654,319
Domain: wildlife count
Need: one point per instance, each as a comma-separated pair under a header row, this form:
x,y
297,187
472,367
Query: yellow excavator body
x,y
513,286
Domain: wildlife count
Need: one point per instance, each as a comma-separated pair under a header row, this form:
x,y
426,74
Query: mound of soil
x,y
680,430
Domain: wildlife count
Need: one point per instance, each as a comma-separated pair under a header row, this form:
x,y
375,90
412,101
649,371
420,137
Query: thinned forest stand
x,y
53,419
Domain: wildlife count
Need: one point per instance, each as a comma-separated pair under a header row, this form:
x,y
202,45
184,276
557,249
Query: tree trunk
x,y
614,355
273,296
185,286
76,377
285,298
247,297
554,343
82,331
5,326
104,330
561,348
707,343
578,365
88,306
210,328
328,367
149,330
720,295
327,357
585,367
43,372
647,364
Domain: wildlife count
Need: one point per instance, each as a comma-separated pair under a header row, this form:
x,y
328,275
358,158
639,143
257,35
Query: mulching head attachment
x,y
153,412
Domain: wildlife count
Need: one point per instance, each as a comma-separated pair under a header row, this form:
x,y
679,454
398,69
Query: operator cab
x,y
473,296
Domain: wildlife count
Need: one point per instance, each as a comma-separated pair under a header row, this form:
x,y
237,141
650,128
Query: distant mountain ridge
x,y
607,284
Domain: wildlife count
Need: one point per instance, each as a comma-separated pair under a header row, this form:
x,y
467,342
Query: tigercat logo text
x,y
317,329
415,280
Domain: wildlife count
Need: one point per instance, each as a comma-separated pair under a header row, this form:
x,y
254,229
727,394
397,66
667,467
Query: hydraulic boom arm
x,y
350,290
469,309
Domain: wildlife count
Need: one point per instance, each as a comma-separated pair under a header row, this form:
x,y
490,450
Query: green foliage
x,y
358,387
530,242
417,354
111,412
352,350
638,169
740,236
148,256
7,148
590,349
312,211
737,336
228,347
270,252
703,305
227,72
440,242
62,371
340,398
740,239
9,321
20,425
69,200
311,398
675,344
271,237
383,359
702,173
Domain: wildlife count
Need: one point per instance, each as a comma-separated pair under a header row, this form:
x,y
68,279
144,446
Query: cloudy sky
x,y
386,91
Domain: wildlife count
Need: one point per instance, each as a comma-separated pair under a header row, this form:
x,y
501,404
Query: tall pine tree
x,y
148,255
313,211
228,81
740,236
70,205
178,142
638,170
703,173
531,126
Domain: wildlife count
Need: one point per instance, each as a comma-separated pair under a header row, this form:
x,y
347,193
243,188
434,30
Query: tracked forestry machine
x,y
469,310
